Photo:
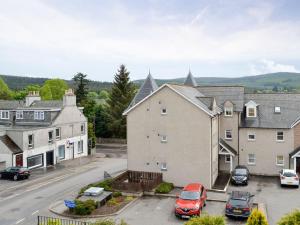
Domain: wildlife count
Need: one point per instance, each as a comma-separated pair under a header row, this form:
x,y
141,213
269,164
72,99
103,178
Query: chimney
x,y
31,97
69,98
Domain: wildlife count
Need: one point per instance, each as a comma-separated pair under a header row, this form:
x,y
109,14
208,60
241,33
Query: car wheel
x,y
15,177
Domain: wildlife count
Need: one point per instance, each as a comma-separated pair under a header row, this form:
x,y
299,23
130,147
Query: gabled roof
x,y
148,87
10,144
13,105
191,94
190,80
227,147
47,104
7,104
266,117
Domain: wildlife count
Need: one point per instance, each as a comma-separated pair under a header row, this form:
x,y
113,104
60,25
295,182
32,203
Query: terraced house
x,y
193,133
35,133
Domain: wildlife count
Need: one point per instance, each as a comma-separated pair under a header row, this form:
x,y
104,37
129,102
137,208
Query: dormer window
x,y
228,111
39,115
4,114
251,109
277,109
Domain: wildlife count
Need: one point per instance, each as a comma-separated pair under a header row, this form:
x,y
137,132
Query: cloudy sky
x,y
54,38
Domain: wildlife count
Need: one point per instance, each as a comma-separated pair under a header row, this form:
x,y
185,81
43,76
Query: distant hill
x,y
276,81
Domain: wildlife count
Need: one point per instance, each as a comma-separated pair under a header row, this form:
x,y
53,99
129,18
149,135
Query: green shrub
x,y
206,220
292,218
109,222
84,207
117,194
164,188
257,218
112,202
129,198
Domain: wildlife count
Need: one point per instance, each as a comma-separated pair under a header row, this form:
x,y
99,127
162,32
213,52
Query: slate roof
x,y
227,146
266,117
146,89
294,152
10,144
7,104
235,94
190,80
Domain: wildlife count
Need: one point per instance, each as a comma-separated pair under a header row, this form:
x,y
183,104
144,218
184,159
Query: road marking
x,y
35,212
19,221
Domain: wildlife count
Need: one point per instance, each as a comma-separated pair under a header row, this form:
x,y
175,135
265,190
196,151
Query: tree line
x,y
102,108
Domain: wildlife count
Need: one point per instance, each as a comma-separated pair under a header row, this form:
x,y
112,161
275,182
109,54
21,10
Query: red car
x,y
191,201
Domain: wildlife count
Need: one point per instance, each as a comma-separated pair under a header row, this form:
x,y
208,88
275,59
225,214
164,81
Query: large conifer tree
x,y
120,97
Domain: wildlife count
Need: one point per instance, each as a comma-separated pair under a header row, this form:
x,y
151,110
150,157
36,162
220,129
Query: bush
x,y
85,207
117,194
164,188
129,198
206,220
109,222
292,218
257,218
112,202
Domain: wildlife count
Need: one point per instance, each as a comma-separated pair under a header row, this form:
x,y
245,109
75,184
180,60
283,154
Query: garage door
x,y
35,161
2,165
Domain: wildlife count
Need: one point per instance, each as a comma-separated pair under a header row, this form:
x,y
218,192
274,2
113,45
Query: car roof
x,y
288,170
241,195
192,187
241,167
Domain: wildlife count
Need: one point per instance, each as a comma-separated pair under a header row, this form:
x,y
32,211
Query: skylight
x,y
277,109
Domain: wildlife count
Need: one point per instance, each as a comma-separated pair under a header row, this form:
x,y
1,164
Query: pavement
x,y
21,202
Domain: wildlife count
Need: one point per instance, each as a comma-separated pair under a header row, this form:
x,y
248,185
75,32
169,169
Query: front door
x,y
298,164
19,160
50,158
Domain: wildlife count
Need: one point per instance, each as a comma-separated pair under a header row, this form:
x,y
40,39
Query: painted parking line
x,y
20,221
35,212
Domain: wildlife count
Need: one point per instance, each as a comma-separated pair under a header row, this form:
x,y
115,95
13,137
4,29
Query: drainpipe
x,y
238,138
211,152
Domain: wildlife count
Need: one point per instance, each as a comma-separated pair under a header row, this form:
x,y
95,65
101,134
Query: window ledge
x,y
280,141
251,164
252,140
228,139
281,165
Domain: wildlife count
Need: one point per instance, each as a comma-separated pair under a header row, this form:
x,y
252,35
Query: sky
x,y
54,38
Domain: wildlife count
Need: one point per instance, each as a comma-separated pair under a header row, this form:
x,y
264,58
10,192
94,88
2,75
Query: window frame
x,y
57,137
60,158
80,147
277,109
254,111
251,133
228,109
163,138
82,128
19,114
254,157
279,140
163,166
3,112
50,141
31,146
227,138
39,115
279,164
225,159
162,111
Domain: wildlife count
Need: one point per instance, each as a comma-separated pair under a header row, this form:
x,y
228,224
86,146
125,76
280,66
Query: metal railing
x,y
45,220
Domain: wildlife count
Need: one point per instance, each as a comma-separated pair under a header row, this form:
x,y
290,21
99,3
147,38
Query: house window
x,y
163,111
4,114
82,128
80,146
50,136
251,136
35,161
228,111
30,141
251,159
57,133
228,134
19,115
61,152
280,136
39,115
227,158
163,138
251,112
279,160
163,166
277,109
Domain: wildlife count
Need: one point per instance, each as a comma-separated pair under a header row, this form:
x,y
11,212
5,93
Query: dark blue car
x,y
239,204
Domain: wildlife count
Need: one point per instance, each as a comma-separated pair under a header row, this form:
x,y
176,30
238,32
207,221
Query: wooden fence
x,y
136,181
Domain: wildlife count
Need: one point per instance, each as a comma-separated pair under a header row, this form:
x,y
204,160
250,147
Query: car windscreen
x,y
189,195
237,202
289,174
242,172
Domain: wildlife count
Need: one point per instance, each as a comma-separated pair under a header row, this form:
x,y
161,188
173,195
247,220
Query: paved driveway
x,y
156,211
278,200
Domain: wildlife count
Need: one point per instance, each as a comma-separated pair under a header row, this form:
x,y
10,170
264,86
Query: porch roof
x,y
10,144
227,147
295,152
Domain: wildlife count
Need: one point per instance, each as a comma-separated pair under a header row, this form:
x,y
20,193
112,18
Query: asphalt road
x,y
22,205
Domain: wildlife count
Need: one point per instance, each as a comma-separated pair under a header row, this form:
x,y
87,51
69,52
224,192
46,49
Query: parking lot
x,y
154,210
